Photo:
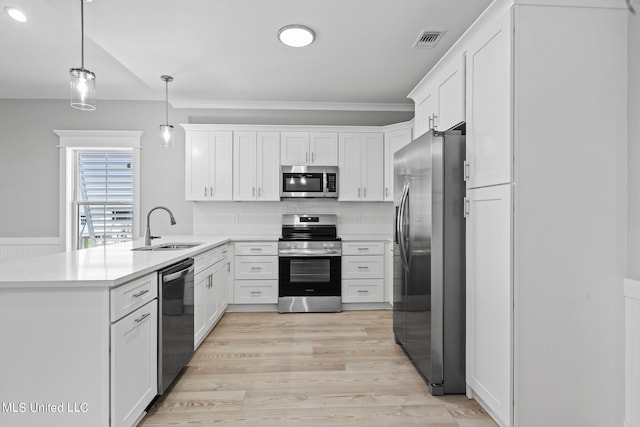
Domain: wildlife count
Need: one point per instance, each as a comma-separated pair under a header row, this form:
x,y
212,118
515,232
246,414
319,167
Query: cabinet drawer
x,y
130,296
224,251
207,259
363,290
362,248
256,267
363,267
256,248
256,292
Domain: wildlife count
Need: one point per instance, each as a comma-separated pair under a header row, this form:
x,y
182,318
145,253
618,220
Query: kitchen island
x,y
57,362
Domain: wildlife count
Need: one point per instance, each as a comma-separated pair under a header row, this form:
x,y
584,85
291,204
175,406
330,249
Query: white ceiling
x,y
226,53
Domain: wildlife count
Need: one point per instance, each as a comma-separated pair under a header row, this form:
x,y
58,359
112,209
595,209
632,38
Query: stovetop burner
x,y
296,227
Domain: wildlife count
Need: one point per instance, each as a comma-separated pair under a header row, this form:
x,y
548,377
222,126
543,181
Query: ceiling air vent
x,y
428,39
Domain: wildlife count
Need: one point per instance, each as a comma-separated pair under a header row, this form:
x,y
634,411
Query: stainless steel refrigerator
x,y
429,258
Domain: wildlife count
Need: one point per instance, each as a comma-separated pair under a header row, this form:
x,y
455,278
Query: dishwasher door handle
x,y
173,276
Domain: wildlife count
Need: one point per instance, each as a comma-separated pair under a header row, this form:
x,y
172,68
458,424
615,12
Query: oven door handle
x,y
308,253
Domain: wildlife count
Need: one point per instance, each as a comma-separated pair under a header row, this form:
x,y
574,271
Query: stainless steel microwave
x,y
309,181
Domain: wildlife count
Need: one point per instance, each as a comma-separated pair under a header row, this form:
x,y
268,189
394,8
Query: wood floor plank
x,y
306,369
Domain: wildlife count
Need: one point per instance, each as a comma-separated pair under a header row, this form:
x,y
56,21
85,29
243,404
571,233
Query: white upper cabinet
x,y
489,106
393,141
361,158
440,98
256,165
450,96
309,148
208,161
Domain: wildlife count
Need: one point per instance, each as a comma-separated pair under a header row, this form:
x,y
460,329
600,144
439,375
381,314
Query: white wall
x,y
29,161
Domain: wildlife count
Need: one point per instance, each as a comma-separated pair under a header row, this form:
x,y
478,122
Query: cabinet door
x,y
294,149
489,297
350,162
134,364
372,167
244,166
489,106
324,148
425,110
393,141
450,95
197,165
211,305
220,161
199,312
268,166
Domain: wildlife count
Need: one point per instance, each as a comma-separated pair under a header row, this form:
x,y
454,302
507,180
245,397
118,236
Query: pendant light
x,y
83,81
166,130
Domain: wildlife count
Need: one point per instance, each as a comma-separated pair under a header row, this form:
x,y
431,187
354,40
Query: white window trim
x,y
73,140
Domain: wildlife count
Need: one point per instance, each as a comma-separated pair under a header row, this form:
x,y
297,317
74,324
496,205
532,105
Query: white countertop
x,y
104,266
113,265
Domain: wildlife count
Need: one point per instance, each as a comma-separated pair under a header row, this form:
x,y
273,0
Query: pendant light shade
x,y
83,81
166,130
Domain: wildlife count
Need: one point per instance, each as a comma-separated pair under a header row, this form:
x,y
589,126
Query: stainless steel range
x,y
310,257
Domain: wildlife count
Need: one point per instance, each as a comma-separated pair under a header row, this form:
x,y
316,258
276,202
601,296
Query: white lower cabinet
x,y
134,350
256,273
362,272
210,291
489,298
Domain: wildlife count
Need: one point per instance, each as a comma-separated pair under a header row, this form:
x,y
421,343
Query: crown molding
x,y
293,105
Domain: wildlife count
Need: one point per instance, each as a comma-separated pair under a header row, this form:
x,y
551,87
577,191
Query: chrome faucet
x,y
147,234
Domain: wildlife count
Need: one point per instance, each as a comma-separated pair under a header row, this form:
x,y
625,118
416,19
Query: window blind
x,y
104,198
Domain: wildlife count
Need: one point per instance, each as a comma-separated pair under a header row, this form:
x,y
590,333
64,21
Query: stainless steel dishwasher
x,y
175,322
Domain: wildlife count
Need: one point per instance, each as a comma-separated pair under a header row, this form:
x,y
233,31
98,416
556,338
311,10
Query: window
x,y
104,197
99,187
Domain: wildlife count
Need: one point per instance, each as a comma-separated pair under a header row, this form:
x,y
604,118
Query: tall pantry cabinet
x,y
545,107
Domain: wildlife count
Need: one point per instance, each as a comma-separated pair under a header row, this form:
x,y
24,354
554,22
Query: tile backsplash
x,y
264,218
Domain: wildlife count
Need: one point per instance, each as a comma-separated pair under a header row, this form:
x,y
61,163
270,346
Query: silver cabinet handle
x,y
358,192
386,192
253,191
256,249
363,267
364,192
362,291
363,249
306,157
312,156
435,121
259,191
256,292
139,294
205,191
211,191
467,174
141,318
256,268
430,122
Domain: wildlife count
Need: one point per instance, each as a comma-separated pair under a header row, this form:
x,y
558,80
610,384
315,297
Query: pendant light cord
x,y
82,34
631,8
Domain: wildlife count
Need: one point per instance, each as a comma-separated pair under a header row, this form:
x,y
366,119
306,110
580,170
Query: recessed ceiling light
x,y
296,35
16,14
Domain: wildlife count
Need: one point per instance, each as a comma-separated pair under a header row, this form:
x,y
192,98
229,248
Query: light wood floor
x,y
308,369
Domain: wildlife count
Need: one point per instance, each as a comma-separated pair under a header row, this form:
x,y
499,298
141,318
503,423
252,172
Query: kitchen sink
x,y
167,247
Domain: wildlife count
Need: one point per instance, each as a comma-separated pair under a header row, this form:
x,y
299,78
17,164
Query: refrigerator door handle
x,y
401,226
